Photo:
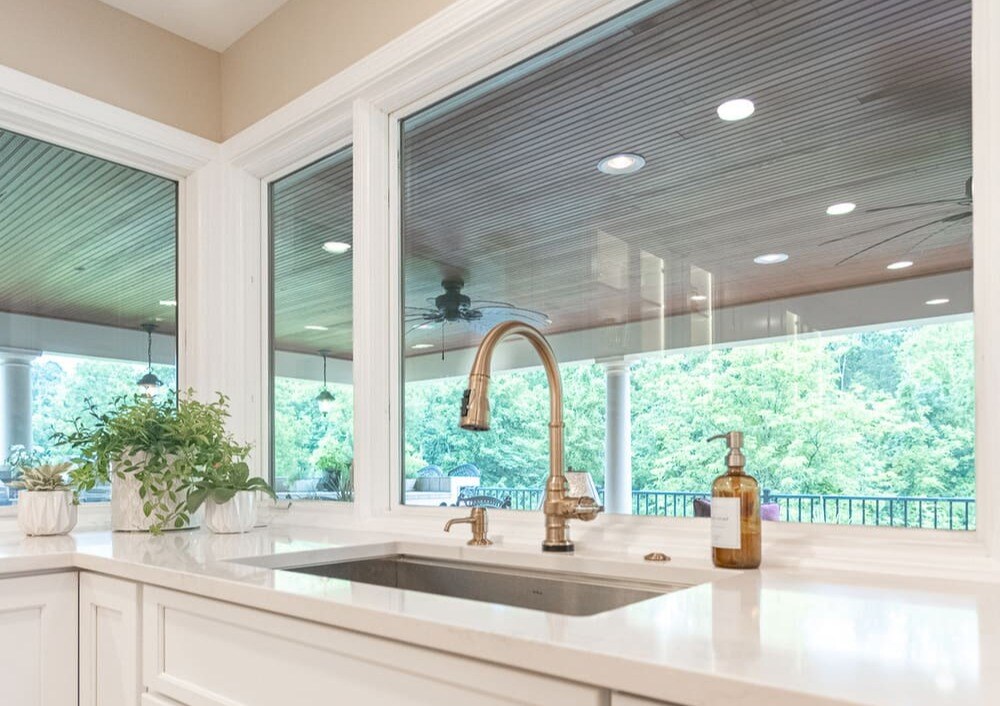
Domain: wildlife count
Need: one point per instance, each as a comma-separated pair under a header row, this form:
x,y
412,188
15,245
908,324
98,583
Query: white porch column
x,y
618,438
15,400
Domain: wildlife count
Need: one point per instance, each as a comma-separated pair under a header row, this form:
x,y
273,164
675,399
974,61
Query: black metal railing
x,y
956,513
520,498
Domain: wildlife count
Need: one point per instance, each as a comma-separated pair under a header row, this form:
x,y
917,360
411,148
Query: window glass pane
x,y
750,216
87,292
311,234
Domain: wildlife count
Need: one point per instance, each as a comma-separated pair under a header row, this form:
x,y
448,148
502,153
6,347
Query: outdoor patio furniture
x,y
489,501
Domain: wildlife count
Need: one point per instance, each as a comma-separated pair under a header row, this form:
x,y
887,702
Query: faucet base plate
x,y
567,547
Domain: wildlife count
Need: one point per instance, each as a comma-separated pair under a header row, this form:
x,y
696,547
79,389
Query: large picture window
x,y
751,216
88,299
311,235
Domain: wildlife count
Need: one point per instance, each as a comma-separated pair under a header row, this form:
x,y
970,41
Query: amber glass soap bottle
x,y
735,511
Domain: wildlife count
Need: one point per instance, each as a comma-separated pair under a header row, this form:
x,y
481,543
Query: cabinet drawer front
x,y
207,653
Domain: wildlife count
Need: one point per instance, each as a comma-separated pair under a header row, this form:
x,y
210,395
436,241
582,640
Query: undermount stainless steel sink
x,y
550,591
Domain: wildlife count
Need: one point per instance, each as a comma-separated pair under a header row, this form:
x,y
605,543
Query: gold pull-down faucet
x,y
559,507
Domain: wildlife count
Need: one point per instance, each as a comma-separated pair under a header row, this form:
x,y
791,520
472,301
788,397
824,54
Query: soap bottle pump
x,y
735,511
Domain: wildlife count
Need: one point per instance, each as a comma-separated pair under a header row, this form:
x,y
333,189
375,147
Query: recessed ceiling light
x,y
698,297
901,265
840,209
168,302
336,247
316,327
421,346
736,109
771,258
937,302
623,163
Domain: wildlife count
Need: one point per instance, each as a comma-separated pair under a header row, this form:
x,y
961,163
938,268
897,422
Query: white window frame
x,y
330,143
44,111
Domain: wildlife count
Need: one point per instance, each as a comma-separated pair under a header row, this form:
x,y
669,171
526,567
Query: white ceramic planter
x,y
126,507
44,512
236,515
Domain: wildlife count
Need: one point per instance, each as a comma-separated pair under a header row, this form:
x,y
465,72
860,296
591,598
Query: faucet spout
x,y
559,506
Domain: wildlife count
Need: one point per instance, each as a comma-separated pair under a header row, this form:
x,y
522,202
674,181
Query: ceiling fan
x,y
964,203
454,307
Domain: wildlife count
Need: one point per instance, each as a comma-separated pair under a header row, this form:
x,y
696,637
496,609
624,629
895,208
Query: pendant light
x,y
324,400
149,383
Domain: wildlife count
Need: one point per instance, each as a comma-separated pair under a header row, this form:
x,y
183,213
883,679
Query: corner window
x,y
313,396
88,296
751,216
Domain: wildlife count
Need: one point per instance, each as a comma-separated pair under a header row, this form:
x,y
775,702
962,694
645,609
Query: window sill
x,y
882,550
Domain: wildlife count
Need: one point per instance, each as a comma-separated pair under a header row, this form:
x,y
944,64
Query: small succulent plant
x,y
45,477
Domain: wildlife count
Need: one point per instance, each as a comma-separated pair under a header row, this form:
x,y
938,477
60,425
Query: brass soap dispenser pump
x,y
735,511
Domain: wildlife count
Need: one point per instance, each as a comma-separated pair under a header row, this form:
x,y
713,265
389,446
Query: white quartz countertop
x,y
773,636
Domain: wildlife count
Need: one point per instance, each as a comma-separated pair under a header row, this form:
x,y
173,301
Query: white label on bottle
x,y
726,523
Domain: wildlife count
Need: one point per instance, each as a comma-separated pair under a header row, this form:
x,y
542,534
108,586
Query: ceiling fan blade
x,y
912,205
480,303
876,229
422,326
945,225
493,315
887,240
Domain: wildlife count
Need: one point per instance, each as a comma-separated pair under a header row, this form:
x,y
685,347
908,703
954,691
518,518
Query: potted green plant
x,y
229,493
335,460
46,504
152,451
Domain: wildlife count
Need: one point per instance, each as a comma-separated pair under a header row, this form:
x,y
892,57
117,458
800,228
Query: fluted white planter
x,y
238,514
45,512
126,507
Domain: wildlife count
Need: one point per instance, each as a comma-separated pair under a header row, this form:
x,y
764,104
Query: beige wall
x,y
97,50
304,43
104,53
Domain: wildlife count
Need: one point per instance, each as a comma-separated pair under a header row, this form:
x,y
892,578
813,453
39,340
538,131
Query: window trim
x,y
796,540
50,113
266,468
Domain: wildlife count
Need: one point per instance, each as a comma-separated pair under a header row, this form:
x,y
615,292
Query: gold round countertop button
x,y
656,556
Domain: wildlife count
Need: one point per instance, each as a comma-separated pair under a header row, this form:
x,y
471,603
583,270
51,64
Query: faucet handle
x,y
587,508
480,523
581,507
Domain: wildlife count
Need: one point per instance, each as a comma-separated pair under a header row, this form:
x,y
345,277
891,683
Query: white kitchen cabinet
x,y
109,641
201,652
38,636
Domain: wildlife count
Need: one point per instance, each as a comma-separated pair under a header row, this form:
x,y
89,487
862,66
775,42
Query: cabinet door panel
x,y
38,631
109,641
206,653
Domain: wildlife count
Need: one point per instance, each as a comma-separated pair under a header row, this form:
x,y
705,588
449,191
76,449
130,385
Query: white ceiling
x,y
215,24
